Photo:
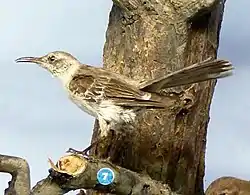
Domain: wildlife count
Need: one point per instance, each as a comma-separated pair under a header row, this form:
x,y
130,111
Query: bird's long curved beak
x,y
35,60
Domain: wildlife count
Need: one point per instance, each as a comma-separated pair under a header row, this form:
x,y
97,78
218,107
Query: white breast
x,y
108,111
65,78
87,107
117,114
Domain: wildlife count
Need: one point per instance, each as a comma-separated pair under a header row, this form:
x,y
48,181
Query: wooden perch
x,y
19,170
80,172
74,172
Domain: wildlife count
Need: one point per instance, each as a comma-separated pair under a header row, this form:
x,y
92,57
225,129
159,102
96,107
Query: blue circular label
x,y
105,176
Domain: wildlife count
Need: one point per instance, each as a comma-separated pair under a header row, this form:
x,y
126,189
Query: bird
x,y
115,99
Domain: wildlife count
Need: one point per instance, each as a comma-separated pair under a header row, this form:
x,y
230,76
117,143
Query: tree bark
x,y
148,38
229,186
20,172
72,172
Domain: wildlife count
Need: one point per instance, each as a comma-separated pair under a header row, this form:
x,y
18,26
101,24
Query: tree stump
x,y
148,38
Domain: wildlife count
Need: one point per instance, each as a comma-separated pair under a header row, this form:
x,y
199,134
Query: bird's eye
x,y
52,58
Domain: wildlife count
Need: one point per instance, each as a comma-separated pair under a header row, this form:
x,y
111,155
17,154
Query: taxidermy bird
x,y
114,99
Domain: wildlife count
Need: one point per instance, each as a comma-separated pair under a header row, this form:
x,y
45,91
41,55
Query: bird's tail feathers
x,y
203,71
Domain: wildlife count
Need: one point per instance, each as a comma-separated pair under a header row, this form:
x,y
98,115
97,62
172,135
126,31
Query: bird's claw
x,y
83,152
74,151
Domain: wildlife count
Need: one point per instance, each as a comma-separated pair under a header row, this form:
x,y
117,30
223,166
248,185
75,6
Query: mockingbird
x,y
115,99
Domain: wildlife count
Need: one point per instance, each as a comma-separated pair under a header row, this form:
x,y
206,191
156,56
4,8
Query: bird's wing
x,y
205,70
124,94
104,85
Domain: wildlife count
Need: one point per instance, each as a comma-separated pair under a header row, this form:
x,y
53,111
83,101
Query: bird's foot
x,y
74,151
83,152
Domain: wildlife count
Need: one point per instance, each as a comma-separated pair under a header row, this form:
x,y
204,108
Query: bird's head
x,y
57,62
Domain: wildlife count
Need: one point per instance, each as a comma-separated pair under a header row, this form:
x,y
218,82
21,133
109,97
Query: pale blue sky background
x,y
38,121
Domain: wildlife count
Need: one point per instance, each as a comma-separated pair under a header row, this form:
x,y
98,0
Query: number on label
x,y
105,175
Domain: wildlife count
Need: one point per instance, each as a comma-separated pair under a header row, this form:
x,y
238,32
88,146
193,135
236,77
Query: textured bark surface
x,y
229,186
149,38
20,172
72,172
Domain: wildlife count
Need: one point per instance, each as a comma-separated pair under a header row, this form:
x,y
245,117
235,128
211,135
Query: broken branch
x,y
19,170
74,172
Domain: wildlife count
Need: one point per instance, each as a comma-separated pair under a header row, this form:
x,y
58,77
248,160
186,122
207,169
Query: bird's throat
x,y
66,76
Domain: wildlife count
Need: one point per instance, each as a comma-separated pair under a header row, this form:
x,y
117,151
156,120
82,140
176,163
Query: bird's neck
x,y
66,76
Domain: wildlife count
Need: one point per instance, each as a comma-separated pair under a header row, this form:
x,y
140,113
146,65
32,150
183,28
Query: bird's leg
x,y
86,150
104,129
